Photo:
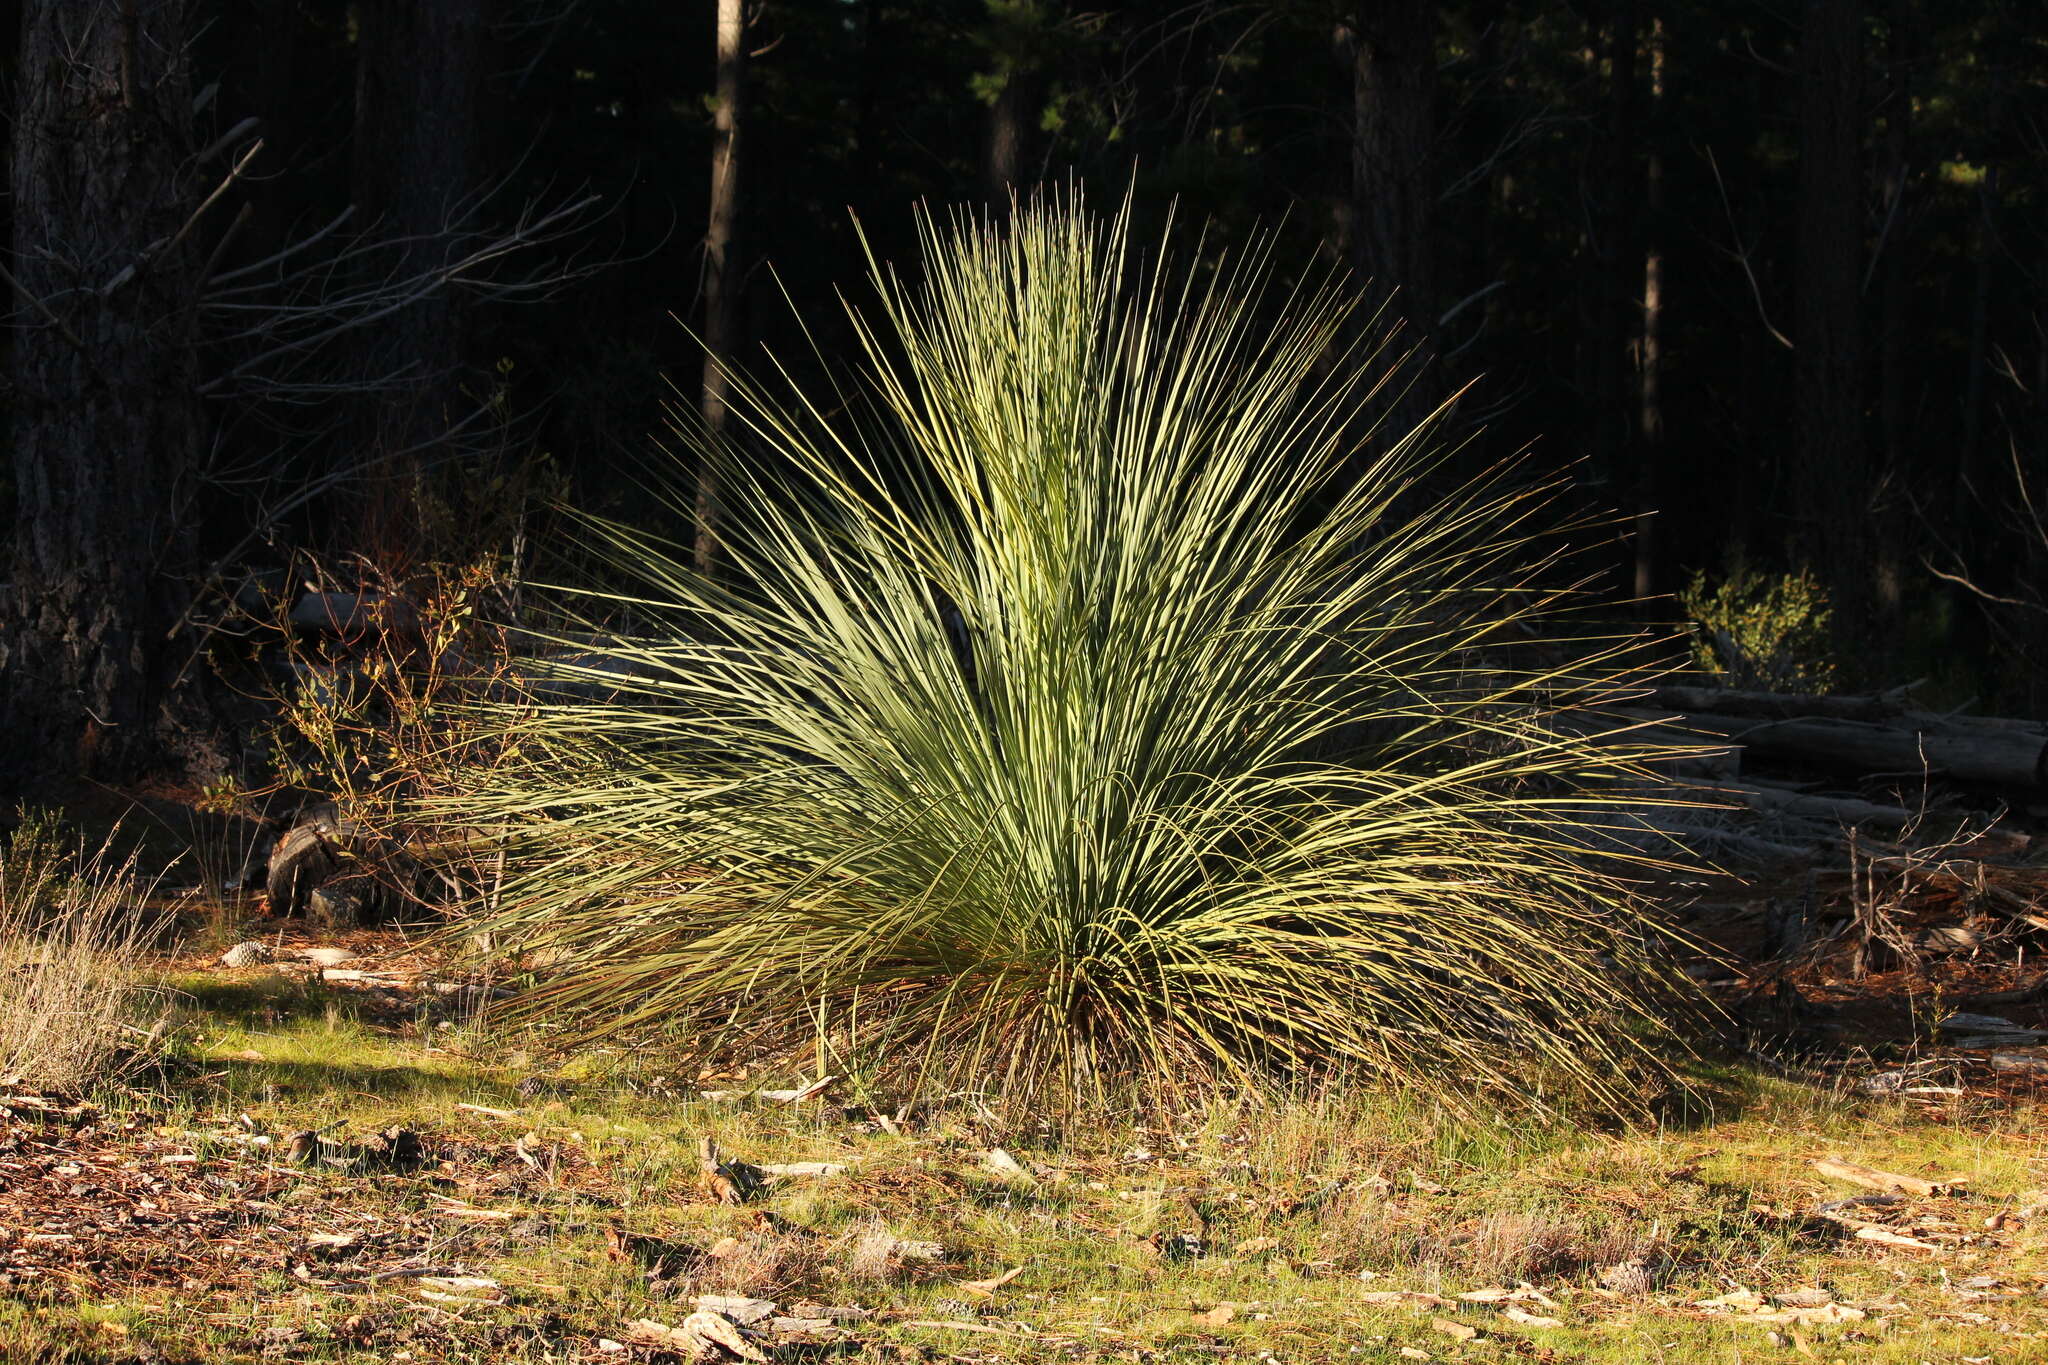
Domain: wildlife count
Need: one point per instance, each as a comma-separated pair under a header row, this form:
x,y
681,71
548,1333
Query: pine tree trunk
x,y
1830,480
1651,489
1008,141
1615,258
104,416
422,86
1393,173
721,259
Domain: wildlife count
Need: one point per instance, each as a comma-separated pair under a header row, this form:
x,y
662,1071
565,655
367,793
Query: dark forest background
x,y
357,278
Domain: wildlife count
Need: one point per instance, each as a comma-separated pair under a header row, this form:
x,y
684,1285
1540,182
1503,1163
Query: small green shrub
x,y
1085,715
1762,630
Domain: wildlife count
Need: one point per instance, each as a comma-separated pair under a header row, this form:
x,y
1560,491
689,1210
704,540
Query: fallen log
x,y
1838,810
1730,701
2016,758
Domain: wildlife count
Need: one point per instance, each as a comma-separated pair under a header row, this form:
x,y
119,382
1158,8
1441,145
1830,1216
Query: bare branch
x,y
1741,256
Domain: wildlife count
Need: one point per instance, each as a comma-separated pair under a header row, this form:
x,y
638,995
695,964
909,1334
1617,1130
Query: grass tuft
x,y
75,1006
1090,713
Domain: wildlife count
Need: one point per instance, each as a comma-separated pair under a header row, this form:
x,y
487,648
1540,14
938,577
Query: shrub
x,y
1754,629
74,1010
1085,714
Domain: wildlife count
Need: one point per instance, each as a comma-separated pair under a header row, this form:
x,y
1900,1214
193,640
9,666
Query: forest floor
x,y
458,1193
466,1201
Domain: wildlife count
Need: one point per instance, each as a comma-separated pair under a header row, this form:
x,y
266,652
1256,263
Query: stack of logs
x,y
1788,758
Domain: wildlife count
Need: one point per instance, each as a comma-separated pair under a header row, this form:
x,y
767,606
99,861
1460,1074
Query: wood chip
x,y
1837,1169
1003,1164
958,1325
984,1288
822,1169
696,1334
1886,1237
738,1307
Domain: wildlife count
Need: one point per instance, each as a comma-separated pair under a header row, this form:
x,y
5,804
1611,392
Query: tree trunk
x,y
422,83
1016,36
1830,481
1393,181
1892,284
104,416
1650,490
722,276
1895,327
1614,258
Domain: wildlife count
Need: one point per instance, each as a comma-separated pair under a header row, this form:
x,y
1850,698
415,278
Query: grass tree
x,y
1080,712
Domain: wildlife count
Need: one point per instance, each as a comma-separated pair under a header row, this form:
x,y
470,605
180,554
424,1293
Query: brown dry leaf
x,y
1256,1246
1411,1353
1514,1314
724,1247
1218,1316
1457,1331
984,1288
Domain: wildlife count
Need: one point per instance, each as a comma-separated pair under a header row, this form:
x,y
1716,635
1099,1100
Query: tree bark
x,y
1008,141
1831,480
1016,37
1615,255
1393,184
422,87
1893,322
722,276
1650,490
104,417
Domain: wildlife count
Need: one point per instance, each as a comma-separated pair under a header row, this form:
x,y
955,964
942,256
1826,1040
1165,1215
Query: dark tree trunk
x,y
1830,480
1614,258
1016,38
1651,485
722,274
104,415
422,91
1009,140
1393,174
1894,327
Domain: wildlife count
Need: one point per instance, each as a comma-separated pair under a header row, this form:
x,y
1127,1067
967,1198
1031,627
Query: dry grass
x,y
74,1008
